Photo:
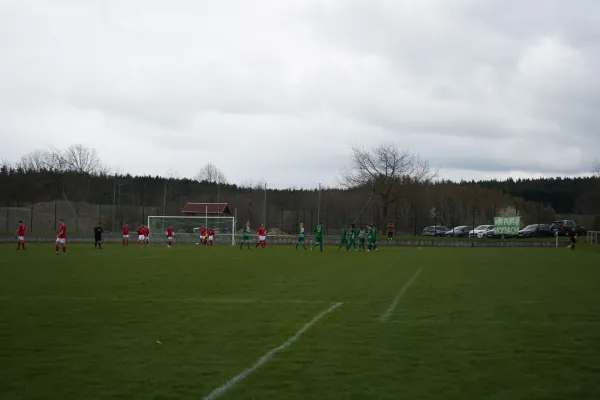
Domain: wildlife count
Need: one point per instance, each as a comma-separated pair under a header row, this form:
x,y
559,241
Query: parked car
x,y
434,230
459,231
566,226
480,231
536,230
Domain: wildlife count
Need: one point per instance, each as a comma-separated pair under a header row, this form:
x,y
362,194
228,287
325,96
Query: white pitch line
x,y
386,315
266,357
160,300
490,322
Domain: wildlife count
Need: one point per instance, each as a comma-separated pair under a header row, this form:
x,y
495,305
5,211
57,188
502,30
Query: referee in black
x,y
98,231
573,237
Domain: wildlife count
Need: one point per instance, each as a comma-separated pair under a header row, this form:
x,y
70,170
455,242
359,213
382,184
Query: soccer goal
x,y
186,229
592,237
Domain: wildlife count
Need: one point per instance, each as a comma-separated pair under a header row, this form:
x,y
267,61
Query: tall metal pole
x,y
164,206
265,210
114,204
319,206
218,194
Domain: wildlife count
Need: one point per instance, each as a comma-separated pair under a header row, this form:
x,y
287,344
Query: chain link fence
x,y
407,218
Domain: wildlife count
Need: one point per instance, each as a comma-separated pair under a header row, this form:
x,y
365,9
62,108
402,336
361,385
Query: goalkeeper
x,y
343,239
352,241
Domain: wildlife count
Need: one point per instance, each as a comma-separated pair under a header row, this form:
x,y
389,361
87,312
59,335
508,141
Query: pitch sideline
x,y
216,300
386,315
267,356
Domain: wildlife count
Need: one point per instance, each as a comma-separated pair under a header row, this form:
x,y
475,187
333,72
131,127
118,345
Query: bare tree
x,y
508,211
39,160
210,173
5,165
173,174
596,168
78,158
388,171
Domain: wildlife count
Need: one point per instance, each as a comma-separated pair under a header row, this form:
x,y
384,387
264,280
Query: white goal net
x,y
592,237
186,229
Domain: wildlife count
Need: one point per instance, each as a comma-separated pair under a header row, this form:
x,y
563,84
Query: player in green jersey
x,y
372,238
319,231
352,240
246,236
343,239
300,236
361,239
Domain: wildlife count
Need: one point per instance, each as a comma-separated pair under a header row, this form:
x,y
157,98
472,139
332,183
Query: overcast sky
x,y
280,89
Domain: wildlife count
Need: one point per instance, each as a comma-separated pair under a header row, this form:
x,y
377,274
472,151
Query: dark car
x,y
536,230
459,231
434,230
566,226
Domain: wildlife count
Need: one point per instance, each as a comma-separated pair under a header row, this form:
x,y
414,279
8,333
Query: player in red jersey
x,y
126,235
170,235
21,230
140,233
262,236
211,236
146,235
203,234
61,238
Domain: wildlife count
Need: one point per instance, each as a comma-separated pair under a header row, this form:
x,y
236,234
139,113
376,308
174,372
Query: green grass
x,y
158,323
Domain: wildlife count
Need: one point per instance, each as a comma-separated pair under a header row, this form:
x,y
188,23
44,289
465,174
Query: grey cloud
x,y
491,87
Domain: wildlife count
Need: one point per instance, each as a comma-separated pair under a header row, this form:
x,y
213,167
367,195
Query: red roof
x,y
203,208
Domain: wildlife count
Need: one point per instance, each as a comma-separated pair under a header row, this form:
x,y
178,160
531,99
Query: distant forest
x,y
412,203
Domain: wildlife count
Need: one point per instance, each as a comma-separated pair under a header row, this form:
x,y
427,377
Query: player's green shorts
x,y
245,238
318,239
361,240
300,239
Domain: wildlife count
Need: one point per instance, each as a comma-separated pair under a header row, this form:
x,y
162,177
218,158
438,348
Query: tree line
x,y
380,185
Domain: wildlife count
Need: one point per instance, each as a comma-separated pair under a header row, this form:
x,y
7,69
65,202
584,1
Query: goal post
x,y
186,229
592,237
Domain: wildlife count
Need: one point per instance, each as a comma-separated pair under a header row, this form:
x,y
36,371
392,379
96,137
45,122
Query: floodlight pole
x,y
265,210
218,193
319,205
114,203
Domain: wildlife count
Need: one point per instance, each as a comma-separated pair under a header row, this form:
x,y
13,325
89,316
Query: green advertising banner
x,y
506,225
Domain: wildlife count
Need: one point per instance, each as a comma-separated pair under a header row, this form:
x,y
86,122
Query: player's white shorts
x,y
262,238
211,238
60,240
140,237
125,236
169,237
146,238
21,238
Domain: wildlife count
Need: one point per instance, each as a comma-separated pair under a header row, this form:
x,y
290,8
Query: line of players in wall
x,y
348,237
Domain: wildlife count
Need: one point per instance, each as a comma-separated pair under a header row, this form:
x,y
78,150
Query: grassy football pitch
x,y
401,323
